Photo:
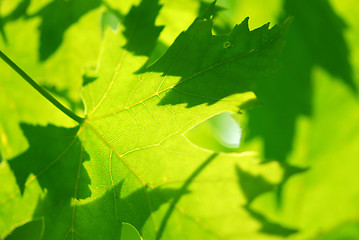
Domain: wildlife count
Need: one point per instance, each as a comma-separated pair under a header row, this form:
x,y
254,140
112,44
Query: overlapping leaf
x,y
321,203
130,162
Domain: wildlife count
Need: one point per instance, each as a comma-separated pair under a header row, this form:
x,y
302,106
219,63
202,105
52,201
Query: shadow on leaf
x,y
315,38
213,67
31,231
269,227
17,13
57,17
111,210
139,29
253,187
55,156
139,25
181,192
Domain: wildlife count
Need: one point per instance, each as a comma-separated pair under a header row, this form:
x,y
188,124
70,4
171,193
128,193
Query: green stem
x,y
41,90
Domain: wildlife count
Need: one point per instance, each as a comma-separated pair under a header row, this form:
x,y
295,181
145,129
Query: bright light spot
x,y
226,129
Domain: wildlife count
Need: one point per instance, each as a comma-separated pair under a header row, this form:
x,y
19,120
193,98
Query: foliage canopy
x,y
139,164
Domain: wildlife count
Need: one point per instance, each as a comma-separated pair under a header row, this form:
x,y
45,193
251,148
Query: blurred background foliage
x,y
304,124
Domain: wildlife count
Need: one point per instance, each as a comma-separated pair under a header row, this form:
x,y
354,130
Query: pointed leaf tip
x,y
245,23
208,14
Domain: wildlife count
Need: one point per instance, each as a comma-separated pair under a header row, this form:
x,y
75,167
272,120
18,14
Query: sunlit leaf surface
x,y
147,163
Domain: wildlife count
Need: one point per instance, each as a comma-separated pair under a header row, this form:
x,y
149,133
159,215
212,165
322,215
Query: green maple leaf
x,y
129,161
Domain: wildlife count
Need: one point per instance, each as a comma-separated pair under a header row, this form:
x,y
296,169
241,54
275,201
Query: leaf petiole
x,y
41,90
